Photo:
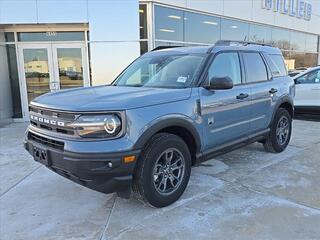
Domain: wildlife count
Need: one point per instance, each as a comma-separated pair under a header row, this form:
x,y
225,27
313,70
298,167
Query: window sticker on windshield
x,y
182,79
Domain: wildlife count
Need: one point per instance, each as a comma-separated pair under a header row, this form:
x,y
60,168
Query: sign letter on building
x,y
295,8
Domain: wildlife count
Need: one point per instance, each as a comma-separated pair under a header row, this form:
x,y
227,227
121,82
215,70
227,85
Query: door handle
x,y
273,90
242,96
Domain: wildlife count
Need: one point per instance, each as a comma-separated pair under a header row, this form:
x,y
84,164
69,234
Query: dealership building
x,y
48,45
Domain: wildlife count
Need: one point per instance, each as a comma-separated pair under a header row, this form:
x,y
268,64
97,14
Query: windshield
x,y
167,71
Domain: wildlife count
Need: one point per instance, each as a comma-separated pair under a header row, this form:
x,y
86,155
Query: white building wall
x,y
114,37
251,10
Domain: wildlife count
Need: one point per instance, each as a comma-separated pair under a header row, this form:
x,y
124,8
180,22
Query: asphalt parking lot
x,y
245,194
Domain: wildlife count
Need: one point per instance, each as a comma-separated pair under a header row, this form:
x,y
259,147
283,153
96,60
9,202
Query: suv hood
x,y
104,98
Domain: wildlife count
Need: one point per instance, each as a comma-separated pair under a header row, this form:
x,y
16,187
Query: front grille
x,y
40,113
46,141
52,113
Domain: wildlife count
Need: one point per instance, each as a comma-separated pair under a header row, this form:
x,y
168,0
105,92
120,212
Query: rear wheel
x,y
280,132
163,171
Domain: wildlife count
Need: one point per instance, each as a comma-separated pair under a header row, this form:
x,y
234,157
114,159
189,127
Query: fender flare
x,y
169,121
285,99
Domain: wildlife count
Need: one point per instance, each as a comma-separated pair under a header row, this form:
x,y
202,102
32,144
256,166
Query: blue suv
x,y
169,110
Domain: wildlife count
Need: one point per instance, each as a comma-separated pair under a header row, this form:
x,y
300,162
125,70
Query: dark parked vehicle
x,y
169,110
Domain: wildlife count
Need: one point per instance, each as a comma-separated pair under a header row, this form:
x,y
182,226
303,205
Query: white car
x,y
307,98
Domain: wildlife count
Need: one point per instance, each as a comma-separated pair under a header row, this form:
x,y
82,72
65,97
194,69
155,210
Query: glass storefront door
x,y
37,72
50,67
70,65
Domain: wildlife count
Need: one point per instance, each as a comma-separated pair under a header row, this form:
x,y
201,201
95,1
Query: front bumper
x,y
100,171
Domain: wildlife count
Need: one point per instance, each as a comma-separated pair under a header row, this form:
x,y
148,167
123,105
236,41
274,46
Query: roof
x,y
179,50
219,46
265,49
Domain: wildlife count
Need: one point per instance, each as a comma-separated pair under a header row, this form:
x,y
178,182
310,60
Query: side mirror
x,y
297,81
220,83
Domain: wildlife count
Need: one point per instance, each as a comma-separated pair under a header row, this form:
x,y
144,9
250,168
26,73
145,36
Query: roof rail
x,y
164,47
244,43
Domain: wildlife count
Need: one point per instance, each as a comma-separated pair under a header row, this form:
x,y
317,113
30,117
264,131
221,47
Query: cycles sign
x,y
296,8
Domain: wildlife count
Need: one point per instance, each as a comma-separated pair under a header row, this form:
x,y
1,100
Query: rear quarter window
x,y
276,65
256,70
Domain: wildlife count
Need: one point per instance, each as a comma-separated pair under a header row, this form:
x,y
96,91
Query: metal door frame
x,y
22,77
85,67
54,82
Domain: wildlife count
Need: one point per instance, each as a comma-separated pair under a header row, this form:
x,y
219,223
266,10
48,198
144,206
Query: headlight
x,y
98,126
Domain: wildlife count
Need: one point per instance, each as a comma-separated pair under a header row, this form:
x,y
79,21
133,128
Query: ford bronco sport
x,y
169,110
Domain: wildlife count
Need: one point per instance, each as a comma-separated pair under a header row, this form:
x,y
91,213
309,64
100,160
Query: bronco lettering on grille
x,y
47,121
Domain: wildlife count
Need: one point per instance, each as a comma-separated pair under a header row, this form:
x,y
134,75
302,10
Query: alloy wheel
x,y
168,171
282,130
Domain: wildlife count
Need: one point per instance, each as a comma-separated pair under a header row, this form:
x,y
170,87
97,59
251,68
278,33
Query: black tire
x,y
145,179
272,142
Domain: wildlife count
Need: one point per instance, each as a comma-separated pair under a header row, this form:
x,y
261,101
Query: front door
x,y
226,113
308,89
50,67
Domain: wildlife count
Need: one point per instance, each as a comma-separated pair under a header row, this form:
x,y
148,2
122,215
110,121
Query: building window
x,y
199,28
297,41
312,43
174,27
166,43
50,36
9,36
14,80
259,34
143,21
143,47
143,25
301,59
234,30
304,52
168,24
280,38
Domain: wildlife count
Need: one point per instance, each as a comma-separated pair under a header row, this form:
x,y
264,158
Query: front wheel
x,y
163,171
280,132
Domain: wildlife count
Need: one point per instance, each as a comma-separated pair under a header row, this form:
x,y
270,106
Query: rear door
x,y
225,113
308,89
263,90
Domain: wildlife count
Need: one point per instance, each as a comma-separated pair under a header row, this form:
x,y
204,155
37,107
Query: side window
x,y
256,70
275,68
278,61
311,77
226,64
